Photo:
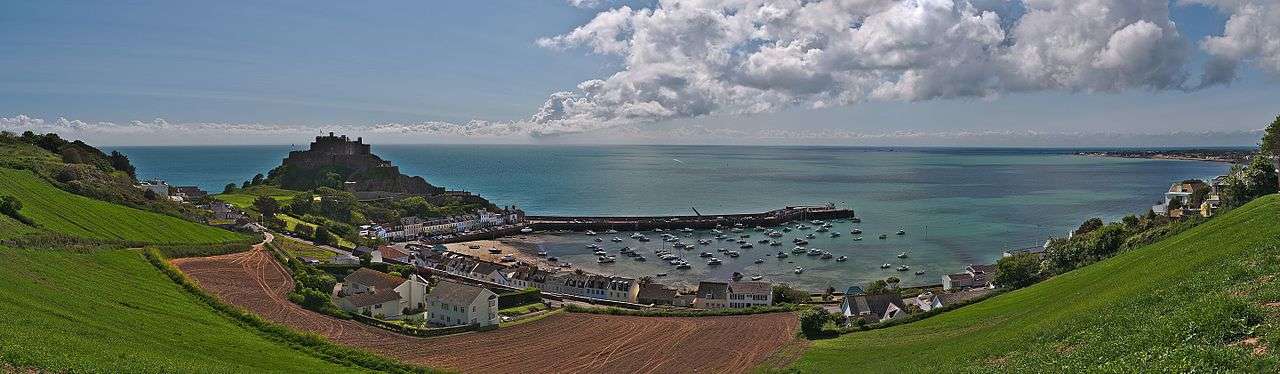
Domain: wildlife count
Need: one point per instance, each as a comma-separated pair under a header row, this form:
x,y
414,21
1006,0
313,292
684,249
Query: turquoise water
x,y
958,206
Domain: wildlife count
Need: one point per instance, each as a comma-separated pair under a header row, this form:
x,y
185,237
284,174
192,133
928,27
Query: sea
x,y
957,206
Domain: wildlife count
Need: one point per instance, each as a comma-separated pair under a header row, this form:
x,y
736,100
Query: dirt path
x,y
563,343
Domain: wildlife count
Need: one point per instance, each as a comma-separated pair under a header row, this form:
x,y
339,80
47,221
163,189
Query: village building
x,y
925,301
974,276
712,295
873,308
393,255
655,294
455,304
1037,250
750,294
373,293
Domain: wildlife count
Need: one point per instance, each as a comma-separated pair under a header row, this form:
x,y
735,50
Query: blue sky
x,y
349,63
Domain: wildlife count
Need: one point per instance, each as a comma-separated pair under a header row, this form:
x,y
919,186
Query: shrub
x,y
10,206
1018,271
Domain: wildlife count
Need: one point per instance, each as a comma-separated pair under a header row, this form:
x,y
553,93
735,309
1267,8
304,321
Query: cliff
x,y
338,162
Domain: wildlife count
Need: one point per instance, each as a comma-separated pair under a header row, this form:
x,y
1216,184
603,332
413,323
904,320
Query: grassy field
x,y
1195,302
60,211
243,198
111,311
11,228
297,248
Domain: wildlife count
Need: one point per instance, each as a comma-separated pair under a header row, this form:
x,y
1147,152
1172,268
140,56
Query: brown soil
x,y
563,343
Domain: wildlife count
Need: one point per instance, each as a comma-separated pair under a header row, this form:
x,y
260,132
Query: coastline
x,y
1224,157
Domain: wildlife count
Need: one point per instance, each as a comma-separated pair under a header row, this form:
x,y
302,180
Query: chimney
x,y
359,139
331,134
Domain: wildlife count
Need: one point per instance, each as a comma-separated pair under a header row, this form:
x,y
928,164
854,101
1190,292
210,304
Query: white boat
x,y
799,270
835,234
636,235
782,255
856,232
713,261
640,258
759,261
705,254
885,266
842,259
508,258
526,230
857,238
542,253
919,272
757,277
605,259
809,236
826,256
734,254
902,255
775,243
662,274
745,245
616,239
591,233
904,268
683,266
686,229
901,232
611,231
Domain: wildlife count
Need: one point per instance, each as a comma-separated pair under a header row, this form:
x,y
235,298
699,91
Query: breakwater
x,y
639,223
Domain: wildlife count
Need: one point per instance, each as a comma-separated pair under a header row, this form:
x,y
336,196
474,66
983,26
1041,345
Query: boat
x,y
733,254
705,254
683,266
902,255
598,240
763,241
508,258
616,240
919,272
713,261
611,231
786,229
745,245
737,276
775,243
799,270
810,236
883,236
566,265
644,239
798,250
553,259
704,242
857,238
901,232
717,231
842,259
774,234
686,229
816,222
526,230
802,242
542,253
591,233
735,230
599,252
636,235
782,255
826,256
904,268
640,258
835,234
662,274
814,252
856,232
757,277
494,250
885,266
759,261
822,229
593,246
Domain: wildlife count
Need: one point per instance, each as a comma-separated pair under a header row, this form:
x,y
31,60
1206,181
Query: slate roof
x,y
373,278
713,290
370,298
757,288
455,293
874,304
655,291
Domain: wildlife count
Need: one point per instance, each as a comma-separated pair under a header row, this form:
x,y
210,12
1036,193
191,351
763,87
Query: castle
x,y
366,175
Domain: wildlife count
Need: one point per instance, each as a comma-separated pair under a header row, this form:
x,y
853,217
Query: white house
x,y
750,294
454,304
711,295
873,308
926,301
371,292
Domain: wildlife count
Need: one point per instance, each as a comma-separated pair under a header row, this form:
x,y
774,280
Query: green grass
x,y
1179,305
243,198
11,228
297,248
59,211
111,311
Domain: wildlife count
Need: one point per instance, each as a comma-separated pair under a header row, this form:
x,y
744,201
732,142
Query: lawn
x,y
111,311
11,228
243,198
1194,302
60,211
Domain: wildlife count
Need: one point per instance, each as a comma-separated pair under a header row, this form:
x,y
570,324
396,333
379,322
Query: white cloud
x,y
692,58
1252,35
586,4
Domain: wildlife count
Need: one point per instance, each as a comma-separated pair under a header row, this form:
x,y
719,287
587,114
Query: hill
x,y
1203,300
62,212
111,311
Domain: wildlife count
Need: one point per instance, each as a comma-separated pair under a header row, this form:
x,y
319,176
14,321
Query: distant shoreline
x,y
1208,155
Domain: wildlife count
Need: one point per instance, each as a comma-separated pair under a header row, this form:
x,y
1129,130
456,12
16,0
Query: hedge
x,y
685,313
306,342
419,331
518,298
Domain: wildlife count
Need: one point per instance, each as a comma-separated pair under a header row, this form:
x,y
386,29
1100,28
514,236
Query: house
x,y
655,294
156,186
926,301
684,300
593,286
490,272
345,259
394,255
750,294
974,276
712,295
374,293
188,193
528,276
454,304
361,251
1180,193
873,308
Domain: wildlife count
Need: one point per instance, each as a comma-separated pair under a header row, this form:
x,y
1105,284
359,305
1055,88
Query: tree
x,y
877,286
302,204
1089,225
149,194
1018,271
812,321
784,294
1270,144
1175,203
257,179
121,162
267,206
10,206
229,189
322,235
1246,183
893,282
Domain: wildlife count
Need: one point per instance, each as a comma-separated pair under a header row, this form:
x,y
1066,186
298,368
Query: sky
x,y
857,72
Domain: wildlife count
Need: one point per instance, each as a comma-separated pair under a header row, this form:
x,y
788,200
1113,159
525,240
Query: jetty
x,y
697,221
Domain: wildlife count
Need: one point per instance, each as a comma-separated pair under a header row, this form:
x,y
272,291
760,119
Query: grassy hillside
x,y
243,198
1195,302
63,212
111,311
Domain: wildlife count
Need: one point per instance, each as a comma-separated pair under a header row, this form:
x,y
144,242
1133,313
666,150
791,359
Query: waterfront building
x,y
454,304
974,276
873,308
373,293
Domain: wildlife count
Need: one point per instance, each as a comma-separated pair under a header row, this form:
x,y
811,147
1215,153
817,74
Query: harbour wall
x,y
640,223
